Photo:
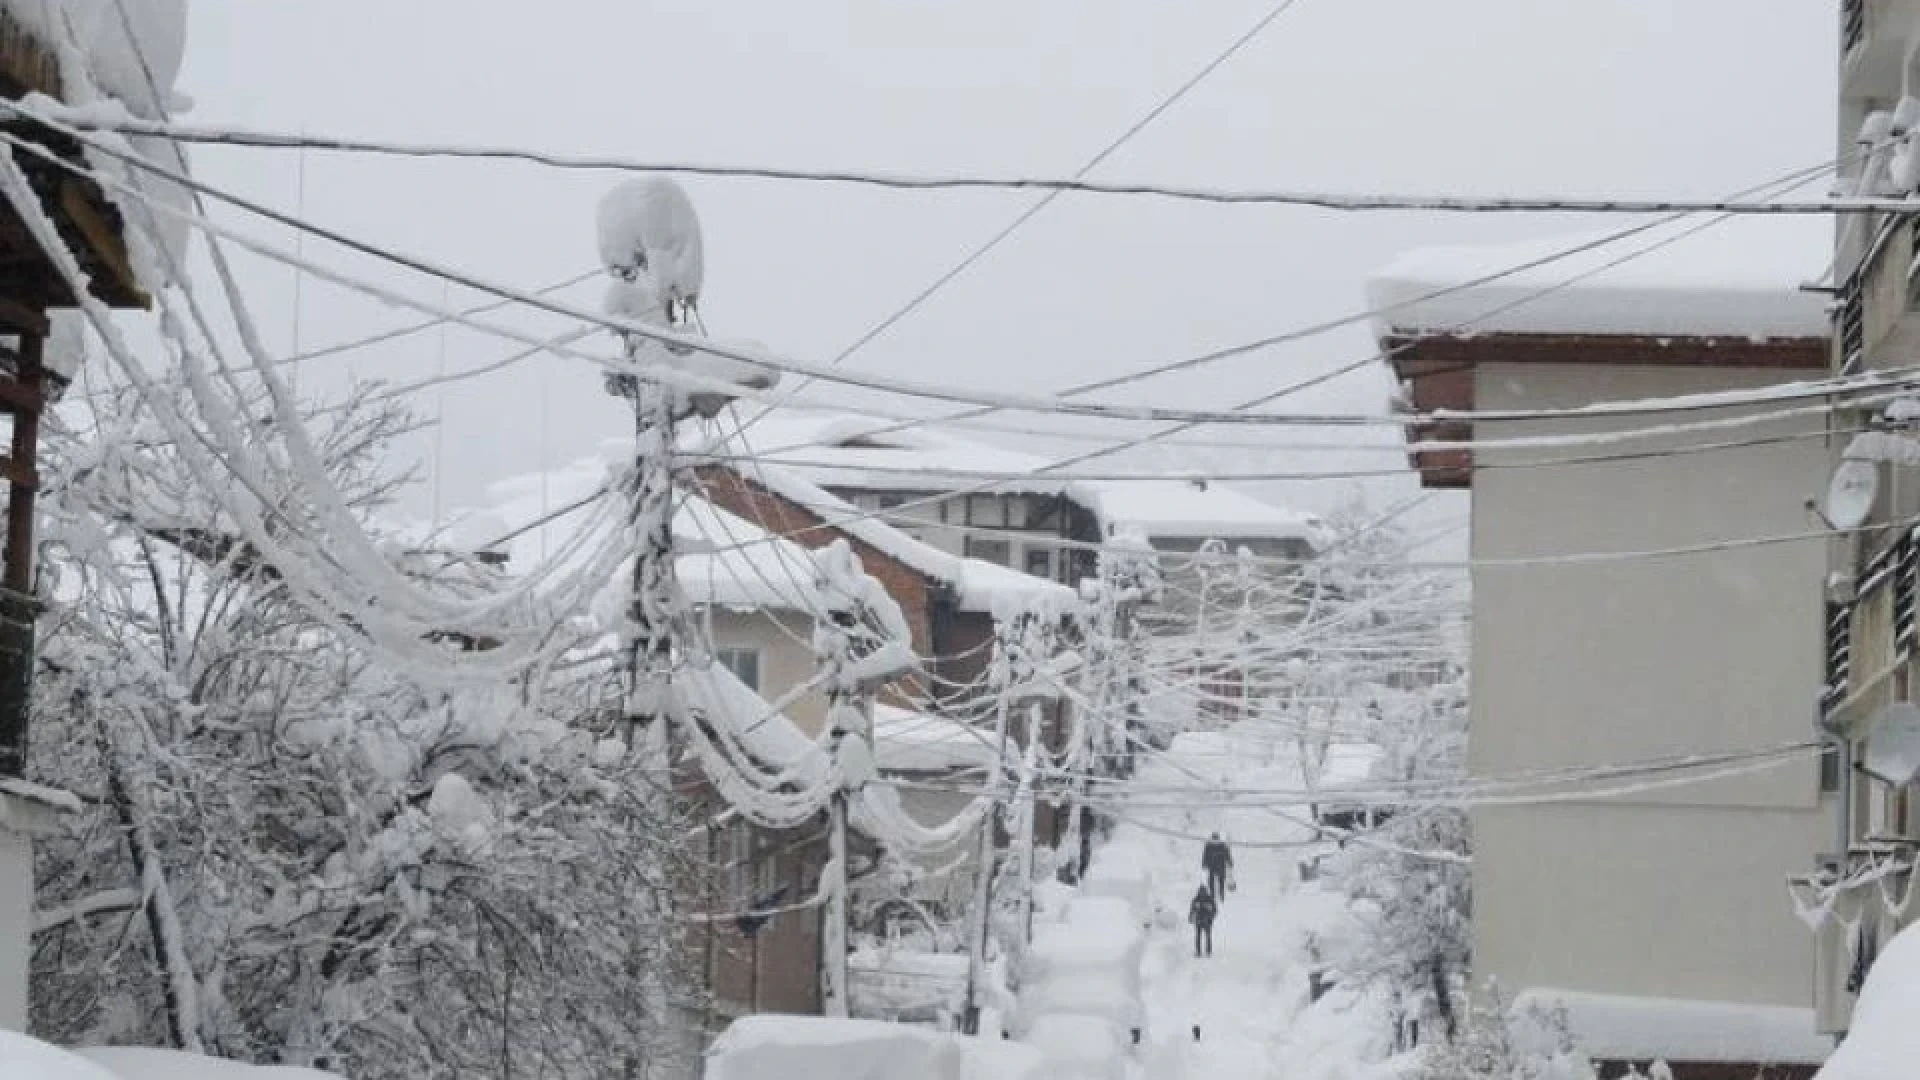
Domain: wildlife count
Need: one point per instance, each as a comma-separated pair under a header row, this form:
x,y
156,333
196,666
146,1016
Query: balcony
x,y
1856,905
1873,46
1877,320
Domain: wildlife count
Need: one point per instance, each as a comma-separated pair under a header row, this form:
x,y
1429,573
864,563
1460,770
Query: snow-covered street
x,y
1249,1000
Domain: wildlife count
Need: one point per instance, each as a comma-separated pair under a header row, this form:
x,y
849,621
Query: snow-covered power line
x,y
897,386
1327,200
1260,475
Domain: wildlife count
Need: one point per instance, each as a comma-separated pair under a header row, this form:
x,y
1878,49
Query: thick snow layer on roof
x,y
1885,1042
1195,510
908,741
118,64
842,451
1738,278
726,561
977,584
743,567
1647,1029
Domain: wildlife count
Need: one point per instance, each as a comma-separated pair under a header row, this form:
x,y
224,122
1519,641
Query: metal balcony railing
x,y
1851,328
1839,651
1906,581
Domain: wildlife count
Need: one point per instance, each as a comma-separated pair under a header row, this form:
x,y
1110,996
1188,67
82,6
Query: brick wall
x,y
775,968
784,517
1614,1070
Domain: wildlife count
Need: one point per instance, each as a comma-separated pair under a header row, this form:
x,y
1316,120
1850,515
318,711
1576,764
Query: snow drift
x,y
780,1047
1885,1042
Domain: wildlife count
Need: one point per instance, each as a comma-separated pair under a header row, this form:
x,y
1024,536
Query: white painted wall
x,y
16,922
1676,893
786,658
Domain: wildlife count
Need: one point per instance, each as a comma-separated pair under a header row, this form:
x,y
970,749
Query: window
x,y
986,511
744,663
1016,509
990,549
889,502
1040,562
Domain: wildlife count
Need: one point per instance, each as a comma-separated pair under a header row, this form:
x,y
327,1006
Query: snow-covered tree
x,y
296,850
1504,1042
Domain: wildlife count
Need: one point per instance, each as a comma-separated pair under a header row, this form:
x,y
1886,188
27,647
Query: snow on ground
x,y
1884,1043
1250,998
22,1058
781,1047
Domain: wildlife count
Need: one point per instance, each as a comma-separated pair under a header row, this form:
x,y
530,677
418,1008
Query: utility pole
x,y
1034,647
650,244
862,640
979,917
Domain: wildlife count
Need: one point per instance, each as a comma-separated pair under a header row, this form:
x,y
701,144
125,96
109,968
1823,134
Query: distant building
x,y
1657,916
968,498
745,538
987,503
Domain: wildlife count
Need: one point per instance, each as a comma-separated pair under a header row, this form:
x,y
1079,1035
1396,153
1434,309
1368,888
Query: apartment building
x,y
1655,914
1858,892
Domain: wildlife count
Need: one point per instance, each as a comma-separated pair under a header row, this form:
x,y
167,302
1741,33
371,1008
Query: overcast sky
x,y
1652,97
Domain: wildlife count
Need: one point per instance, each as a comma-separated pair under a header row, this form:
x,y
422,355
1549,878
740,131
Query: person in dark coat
x,y
1217,859
1200,913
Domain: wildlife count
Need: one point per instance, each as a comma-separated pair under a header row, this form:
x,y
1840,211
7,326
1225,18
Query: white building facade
x,y
1654,910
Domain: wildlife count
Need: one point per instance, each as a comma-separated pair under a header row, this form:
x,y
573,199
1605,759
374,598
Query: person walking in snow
x,y
1200,913
1217,859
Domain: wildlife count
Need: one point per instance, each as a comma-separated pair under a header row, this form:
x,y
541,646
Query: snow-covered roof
x,y
118,63
1736,278
1647,1029
842,451
908,741
978,585
726,561
1195,510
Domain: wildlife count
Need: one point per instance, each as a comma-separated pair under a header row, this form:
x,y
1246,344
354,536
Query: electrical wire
x,y
1327,200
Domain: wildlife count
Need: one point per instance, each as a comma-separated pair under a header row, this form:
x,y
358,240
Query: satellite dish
x,y
648,227
1851,494
1892,751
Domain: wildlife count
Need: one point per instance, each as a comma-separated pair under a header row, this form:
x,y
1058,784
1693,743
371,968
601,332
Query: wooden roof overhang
x,y
89,222
1438,371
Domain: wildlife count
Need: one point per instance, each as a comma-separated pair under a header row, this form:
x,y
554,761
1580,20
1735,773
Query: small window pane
x,y
1040,562
744,663
986,511
990,549
1016,512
